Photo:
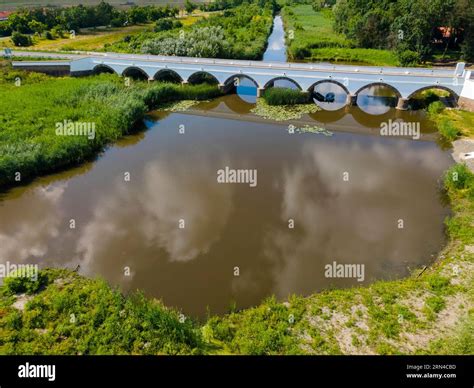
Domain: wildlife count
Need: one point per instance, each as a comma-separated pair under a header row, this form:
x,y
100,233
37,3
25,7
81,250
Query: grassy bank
x,y
69,314
30,113
452,123
313,39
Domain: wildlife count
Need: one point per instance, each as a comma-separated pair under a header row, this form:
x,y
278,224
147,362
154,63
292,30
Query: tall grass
x,y
285,96
29,144
105,321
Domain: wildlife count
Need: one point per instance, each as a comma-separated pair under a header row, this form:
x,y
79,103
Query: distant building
x,y
445,31
4,15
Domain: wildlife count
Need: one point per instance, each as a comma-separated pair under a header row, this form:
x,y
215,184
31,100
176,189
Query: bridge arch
x,y
331,99
135,73
378,103
232,78
382,84
441,87
202,77
330,81
167,75
99,69
282,78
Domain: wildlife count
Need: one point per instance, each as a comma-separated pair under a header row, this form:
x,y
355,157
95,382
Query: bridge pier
x,y
405,82
402,104
351,100
226,88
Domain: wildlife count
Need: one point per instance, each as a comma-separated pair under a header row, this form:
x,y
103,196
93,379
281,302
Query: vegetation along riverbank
x,y
430,312
224,30
34,108
388,33
62,312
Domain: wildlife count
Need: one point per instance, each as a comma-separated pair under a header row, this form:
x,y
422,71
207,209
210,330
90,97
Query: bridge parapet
x,y
353,79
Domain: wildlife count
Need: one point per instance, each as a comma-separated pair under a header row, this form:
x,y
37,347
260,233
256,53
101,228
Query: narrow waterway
x,y
196,243
275,52
276,49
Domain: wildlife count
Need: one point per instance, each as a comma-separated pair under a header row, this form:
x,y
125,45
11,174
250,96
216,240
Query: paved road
x,y
434,72
39,54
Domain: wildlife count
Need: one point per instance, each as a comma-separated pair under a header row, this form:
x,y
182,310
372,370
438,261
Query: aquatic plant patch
x,y
309,129
283,112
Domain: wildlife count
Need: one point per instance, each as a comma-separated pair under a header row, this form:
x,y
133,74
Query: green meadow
x,y
310,37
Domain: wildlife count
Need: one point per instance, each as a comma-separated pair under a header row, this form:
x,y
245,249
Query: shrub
x,y
299,52
106,322
436,107
117,22
30,281
447,129
57,32
207,42
163,25
408,58
5,29
458,177
285,96
21,40
221,329
430,96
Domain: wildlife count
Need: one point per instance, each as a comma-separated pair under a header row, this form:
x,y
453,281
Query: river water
x,y
276,48
236,244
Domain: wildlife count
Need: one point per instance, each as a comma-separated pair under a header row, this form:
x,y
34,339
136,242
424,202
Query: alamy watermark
x,y
19,270
345,271
230,175
401,128
76,128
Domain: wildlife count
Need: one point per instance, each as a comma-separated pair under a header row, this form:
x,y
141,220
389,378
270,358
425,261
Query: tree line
x,y
239,32
416,29
55,21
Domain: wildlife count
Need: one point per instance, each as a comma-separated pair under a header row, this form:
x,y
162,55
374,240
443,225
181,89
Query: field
x,y
11,5
95,39
92,39
310,37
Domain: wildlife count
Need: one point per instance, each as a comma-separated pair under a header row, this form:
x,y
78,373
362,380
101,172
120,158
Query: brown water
x,y
135,224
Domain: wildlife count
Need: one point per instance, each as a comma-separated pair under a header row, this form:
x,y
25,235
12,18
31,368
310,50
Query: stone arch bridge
x,y
405,82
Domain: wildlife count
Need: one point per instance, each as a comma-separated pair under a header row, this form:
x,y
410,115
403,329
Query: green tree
x,y
37,27
21,40
137,15
189,6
